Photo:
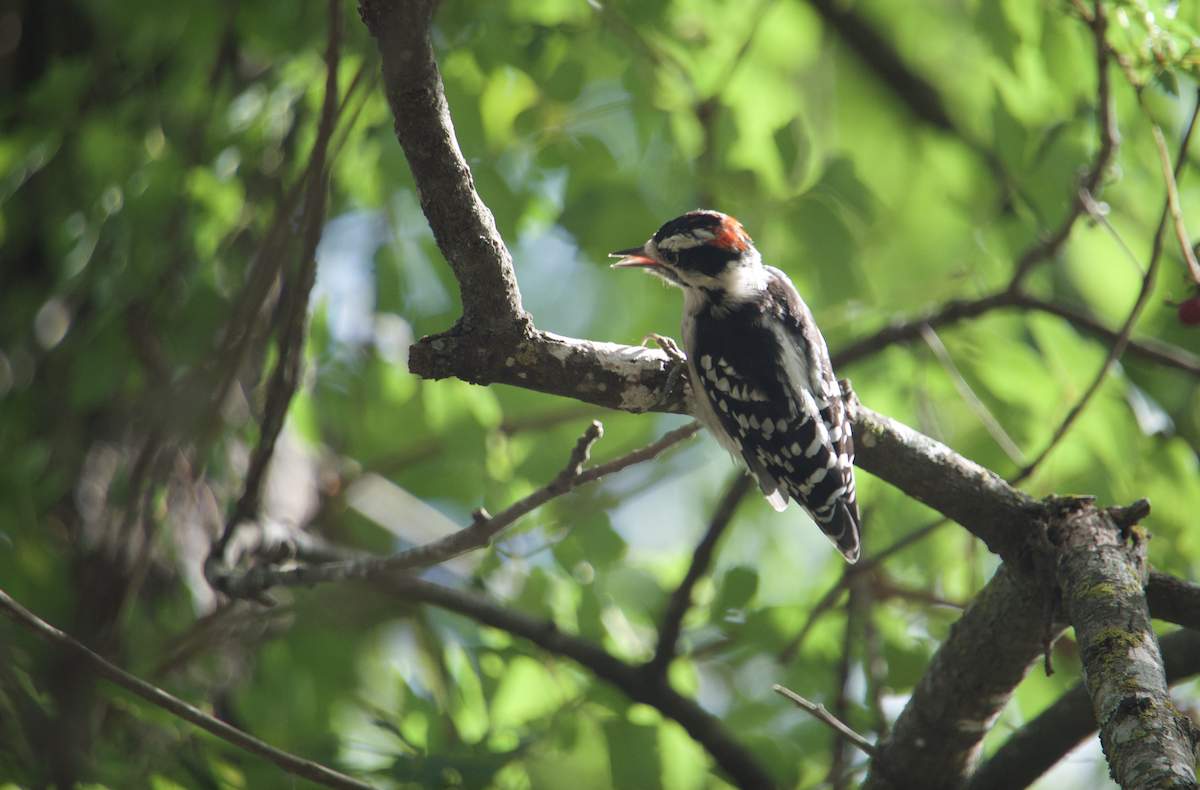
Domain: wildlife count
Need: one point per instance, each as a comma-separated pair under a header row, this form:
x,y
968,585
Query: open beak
x,y
634,257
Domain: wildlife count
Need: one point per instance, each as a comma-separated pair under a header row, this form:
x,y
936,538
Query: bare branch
x,y
647,453
1122,339
314,772
479,534
1100,215
1005,518
818,712
463,226
1170,175
1149,348
1173,599
916,93
292,330
628,378
1110,142
827,603
640,686
681,599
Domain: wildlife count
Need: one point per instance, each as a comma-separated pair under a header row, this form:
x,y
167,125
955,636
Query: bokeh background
x,y
148,152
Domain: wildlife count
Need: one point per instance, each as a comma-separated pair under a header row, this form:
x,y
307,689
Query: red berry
x,y
1189,311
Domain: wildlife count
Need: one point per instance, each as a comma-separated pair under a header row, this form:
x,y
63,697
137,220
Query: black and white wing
x,y
771,390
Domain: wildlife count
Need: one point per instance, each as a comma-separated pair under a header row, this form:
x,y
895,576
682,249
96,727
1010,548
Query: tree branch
x,y
1122,340
650,688
463,226
818,712
1147,742
479,534
292,329
681,599
1110,142
314,772
917,94
1173,599
1003,517
1035,748
938,738
1149,348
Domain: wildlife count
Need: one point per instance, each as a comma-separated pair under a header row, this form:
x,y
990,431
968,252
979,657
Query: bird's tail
x,y
843,528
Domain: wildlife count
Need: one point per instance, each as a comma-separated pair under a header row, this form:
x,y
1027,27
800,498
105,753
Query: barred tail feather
x,y
842,529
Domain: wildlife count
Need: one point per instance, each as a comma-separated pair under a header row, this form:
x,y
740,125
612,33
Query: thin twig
x,y
824,605
1173,201
265,267
818,712
857,611
292,332
647,453
869,563
1083,10
1100,215
865,565
542,420
972,400
479,534
1149,348
307,769
1118,346
1110,141
759,14
681,599
1114,354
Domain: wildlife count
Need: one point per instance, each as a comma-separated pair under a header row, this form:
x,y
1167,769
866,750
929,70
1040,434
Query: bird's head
x,y
701,249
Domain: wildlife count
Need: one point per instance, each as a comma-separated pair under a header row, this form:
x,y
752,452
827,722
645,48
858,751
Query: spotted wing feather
x,y
784,416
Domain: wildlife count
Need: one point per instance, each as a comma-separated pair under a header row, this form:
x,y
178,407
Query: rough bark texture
x,y
1173,599
1005,518
629,378
1036,747
937,739
463,226
1102,571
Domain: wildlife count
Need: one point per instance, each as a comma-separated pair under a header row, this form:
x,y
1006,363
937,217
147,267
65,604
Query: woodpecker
x,y
759,369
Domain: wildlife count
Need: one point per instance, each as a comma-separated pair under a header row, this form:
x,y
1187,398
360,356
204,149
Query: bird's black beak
x,y
634,257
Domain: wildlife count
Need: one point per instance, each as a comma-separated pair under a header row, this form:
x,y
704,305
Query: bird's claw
x,y
677,357
669,347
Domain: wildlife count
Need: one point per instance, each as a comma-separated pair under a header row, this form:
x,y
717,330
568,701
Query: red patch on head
x,y
730,235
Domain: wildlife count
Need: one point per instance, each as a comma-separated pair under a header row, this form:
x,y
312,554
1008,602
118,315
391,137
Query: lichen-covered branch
x,y
1102,571
1035,748
629,378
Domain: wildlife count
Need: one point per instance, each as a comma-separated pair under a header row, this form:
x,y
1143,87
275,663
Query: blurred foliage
x,y
148,157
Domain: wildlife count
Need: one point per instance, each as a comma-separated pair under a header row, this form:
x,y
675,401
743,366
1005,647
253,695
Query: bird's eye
x,y
669,256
